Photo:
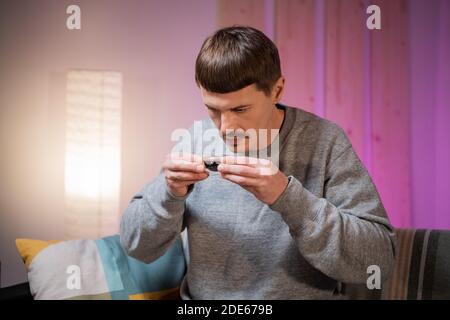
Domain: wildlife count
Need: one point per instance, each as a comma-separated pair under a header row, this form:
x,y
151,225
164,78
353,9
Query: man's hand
x,y
183,170
258,176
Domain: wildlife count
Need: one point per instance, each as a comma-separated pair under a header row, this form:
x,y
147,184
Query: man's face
x,y
247,108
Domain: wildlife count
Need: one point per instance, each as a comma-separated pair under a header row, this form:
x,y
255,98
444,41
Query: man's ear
x,y
277,92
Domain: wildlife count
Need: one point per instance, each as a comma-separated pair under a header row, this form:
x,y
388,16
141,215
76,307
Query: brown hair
x,y
235,57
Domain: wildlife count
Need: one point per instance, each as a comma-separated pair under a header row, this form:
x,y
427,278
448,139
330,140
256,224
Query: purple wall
x,y
430,113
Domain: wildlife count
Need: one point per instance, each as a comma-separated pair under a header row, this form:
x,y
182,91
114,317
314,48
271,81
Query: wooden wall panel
x,y
442,214
294,36
345,31
249,13
391,110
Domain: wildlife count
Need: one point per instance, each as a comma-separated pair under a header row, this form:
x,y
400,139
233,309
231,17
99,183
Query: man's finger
x,y
185,156
248,161
183,176
240,170
183,165
241,180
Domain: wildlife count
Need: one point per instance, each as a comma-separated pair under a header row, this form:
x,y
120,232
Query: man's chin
x,y
236,148
242,148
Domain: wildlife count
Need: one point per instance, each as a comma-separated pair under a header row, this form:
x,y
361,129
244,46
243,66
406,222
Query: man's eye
x,y
240,110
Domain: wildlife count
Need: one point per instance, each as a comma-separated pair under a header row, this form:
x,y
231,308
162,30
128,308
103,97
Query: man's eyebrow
x,y
234,108
209,107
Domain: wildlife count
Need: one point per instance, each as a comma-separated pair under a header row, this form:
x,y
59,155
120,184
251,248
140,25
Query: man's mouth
x,y
234,140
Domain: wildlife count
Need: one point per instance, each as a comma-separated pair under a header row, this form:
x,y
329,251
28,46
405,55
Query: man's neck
x,y
278,119
276,123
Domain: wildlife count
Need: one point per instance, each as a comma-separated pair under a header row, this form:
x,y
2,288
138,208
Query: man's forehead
x,y
215,100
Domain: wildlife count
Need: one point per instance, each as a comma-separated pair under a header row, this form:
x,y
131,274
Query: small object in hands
x,y
212,163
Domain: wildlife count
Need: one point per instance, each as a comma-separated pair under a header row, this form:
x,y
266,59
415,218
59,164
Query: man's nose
x,y
226,124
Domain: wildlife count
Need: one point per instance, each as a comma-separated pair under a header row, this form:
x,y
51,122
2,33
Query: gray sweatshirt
x,y
326,228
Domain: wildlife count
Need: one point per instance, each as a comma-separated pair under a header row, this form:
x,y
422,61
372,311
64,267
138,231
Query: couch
x,y
422,271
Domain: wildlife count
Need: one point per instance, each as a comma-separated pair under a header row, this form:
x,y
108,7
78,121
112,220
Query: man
x,y
296,231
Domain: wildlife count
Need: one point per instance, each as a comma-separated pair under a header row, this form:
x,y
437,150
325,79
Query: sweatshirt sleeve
x,y
347,230
152,221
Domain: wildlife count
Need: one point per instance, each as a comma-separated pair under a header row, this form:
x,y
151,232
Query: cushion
x,y
99,269
421,270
